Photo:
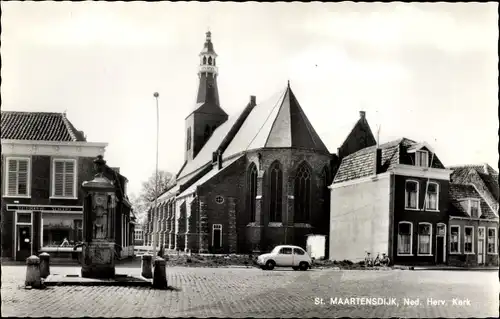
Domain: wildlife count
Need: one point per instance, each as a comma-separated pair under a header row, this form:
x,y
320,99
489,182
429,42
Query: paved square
x,y
235,292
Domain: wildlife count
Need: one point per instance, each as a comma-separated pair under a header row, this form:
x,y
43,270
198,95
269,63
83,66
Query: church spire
x,y
207,114
208,57
207,72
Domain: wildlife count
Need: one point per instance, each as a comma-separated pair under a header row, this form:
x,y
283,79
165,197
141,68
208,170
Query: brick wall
x,y
417,216
232,183
471,260
41,174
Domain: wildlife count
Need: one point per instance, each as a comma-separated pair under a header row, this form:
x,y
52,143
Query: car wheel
x,y
295,268
270,265
303,266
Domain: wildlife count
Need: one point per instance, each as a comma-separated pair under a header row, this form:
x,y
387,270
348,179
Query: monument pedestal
x,y
98,260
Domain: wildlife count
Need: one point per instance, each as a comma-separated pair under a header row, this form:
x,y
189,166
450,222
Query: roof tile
x,y
39,126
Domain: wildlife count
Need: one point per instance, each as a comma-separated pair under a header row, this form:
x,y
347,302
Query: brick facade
x,y
417,216
40,195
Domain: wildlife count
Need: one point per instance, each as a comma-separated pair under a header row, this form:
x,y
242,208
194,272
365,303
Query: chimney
x,y
253,100
362,114
377,161
485,168
219,159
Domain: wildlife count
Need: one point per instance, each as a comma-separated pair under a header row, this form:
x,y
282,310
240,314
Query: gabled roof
x,y
476,174
39,126
278,122
361,163
361,136
460,192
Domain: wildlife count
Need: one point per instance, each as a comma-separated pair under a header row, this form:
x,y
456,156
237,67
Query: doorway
x,y
480,245
23,242
217,236
441,244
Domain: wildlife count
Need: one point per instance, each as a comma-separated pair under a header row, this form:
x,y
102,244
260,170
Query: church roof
x,y
278,122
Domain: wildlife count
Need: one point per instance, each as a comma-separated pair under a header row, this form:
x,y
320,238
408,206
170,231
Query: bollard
x,y
44,265
33,272
146,266
160,274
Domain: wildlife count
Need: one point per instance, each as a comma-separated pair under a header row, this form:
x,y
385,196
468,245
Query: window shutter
x,y
12,178
58,178
69,179
22,177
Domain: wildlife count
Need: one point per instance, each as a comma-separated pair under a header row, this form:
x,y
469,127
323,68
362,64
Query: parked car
x,y
285,256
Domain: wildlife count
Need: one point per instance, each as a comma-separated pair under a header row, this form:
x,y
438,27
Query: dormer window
x,y
474,208
422,158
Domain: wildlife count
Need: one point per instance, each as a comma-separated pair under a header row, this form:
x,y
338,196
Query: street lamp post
x,y
155,226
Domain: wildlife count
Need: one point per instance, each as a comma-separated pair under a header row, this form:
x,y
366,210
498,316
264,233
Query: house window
x,y
492,240
411,200
474,208
64,178
404,238
468,240
252,185
432,196
455,239
276,192
188,139
424,238
422,158
18,176
302,196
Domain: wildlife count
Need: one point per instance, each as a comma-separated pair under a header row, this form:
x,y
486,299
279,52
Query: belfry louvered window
x,y
18,177
276,192
302,195
64,178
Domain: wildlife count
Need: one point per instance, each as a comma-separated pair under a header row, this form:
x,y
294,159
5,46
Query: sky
x,y
428,72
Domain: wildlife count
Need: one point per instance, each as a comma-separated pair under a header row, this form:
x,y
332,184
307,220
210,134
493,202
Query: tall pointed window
x,y
302,193
210,60
188,139
204,60
276,192
252,190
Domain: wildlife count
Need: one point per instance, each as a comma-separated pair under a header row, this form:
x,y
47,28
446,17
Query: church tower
x,y
207,114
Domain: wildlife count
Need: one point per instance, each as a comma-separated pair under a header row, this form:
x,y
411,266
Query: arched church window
x,y
207,132
188,139
252,190
209,60
302,194
214,61
204,60
276,192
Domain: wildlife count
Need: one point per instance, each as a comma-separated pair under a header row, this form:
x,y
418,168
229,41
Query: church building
x,y
251,181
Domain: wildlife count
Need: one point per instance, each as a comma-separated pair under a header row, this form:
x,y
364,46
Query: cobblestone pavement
x,y
233,292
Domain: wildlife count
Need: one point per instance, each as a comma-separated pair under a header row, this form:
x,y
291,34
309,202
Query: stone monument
x,y
98,249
